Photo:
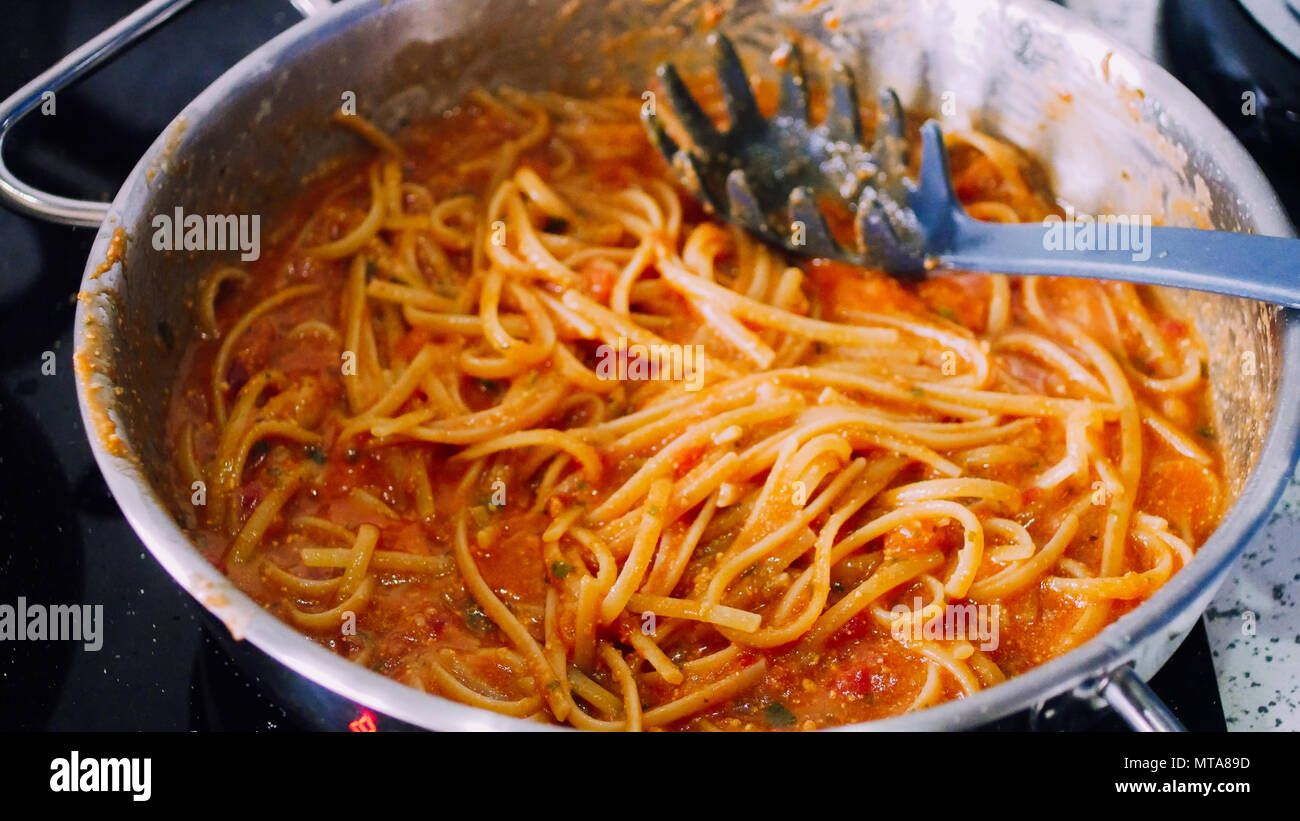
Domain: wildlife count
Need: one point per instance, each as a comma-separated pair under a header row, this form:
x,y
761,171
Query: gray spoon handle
x,y
1245,265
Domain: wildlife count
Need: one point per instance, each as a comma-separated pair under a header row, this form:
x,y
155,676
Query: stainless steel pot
x,y
1115,132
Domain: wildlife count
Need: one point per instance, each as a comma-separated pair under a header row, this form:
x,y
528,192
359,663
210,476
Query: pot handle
x,y
33,202
1136,703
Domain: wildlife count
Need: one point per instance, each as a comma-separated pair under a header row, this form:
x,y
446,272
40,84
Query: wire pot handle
x,y
26,199
1136,703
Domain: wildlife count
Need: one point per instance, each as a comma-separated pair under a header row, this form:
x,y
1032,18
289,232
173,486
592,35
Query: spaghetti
x,y
414,451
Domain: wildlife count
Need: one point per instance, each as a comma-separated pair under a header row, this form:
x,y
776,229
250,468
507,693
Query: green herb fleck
x,y
477,620
714,546
1206,431
946,313
552,685
654,510
917,392
560,569
481,515
778,715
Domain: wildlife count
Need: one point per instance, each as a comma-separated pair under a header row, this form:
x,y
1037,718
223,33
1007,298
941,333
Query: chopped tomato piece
x,y
961,298
412,341
601,277
849,288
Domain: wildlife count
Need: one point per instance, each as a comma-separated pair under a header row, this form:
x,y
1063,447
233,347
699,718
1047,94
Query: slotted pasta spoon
x,y
774,177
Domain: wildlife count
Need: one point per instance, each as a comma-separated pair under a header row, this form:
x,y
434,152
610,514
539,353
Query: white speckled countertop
x,y
1254,627
1253,623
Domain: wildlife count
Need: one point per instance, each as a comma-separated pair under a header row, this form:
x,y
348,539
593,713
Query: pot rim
x,y
1114,646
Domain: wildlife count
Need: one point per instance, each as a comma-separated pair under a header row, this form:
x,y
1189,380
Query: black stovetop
x,y
62,538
